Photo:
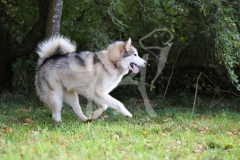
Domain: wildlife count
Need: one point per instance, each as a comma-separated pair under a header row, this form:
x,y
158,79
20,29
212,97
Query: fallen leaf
x,y
126,156
28,131
145,133
121,150
230,133
22,155
1,140
35,133
4,129
197,151
33,150
25,124
80,136
116,136
206,129
105,116
7,129
62,146
228,147
28,120
161,133
179,142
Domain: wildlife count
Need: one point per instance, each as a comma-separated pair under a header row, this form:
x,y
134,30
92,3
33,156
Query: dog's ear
x,y
128,44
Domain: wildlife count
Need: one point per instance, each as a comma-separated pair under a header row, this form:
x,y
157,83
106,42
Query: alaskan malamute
x,y
62,74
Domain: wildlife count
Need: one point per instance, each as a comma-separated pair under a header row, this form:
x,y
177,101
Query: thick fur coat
x,y
62,74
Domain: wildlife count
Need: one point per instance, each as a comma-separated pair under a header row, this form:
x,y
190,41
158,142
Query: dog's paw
x,y
88,121
57,118
128,115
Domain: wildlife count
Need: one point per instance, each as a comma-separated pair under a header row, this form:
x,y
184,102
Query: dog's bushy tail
x,y
54,45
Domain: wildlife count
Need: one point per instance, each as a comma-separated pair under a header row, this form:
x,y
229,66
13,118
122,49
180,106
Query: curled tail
x,y
54,45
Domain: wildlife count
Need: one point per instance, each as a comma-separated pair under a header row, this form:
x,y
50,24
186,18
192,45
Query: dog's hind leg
x,y
99,111
71,98
55,104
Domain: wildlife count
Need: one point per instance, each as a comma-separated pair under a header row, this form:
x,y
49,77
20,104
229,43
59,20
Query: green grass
x,y
27,131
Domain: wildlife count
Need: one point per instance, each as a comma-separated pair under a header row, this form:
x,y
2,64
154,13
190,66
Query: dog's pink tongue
x,y
135,69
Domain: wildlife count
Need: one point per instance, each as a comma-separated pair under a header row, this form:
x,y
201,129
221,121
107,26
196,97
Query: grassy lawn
x,y
28,132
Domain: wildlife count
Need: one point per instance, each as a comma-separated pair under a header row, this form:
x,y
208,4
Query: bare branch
x,y
195,97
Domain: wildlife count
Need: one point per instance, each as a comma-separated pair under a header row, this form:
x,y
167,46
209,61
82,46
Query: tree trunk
x,y
54,18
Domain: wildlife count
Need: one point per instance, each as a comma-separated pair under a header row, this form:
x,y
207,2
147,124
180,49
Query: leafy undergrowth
x,y
28,132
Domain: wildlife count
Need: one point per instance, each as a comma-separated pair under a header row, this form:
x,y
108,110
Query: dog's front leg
x,y
112,102
99,111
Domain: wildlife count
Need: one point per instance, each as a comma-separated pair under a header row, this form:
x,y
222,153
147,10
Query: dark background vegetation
x,y
206,40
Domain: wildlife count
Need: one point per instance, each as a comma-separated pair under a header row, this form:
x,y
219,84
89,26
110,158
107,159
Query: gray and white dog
x,y
62,74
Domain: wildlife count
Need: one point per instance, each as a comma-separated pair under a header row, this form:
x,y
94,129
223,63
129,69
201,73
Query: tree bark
x,y
54,18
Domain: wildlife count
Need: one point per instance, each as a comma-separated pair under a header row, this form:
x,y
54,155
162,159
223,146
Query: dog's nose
x,y
145,63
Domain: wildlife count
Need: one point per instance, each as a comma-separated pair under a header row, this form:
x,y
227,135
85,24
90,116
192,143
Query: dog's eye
x,y
135,54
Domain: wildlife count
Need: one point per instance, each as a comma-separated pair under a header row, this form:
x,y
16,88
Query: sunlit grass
x,y
28,132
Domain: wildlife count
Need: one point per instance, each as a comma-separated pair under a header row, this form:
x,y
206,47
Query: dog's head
x,y
125,55
131,56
